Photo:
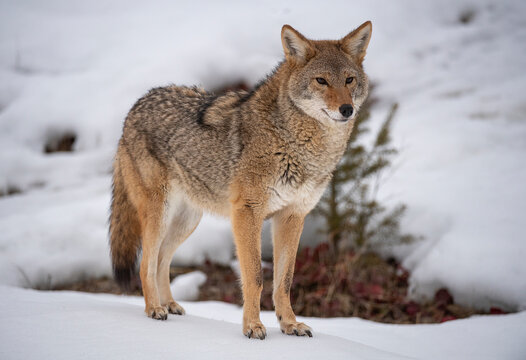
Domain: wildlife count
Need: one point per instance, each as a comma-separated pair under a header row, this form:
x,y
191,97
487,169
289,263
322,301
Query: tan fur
x,y
249,156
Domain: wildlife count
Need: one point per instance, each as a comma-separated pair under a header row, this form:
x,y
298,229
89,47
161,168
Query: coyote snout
x,y
346,110
249,156
343,113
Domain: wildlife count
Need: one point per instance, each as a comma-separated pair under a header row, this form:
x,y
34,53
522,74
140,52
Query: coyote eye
x,y
321,81
349,80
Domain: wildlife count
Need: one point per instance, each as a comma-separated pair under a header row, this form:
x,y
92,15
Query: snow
x,y
462,132
77,67
65,325
186,286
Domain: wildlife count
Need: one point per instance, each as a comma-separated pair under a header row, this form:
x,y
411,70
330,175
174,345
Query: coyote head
x,y
327,80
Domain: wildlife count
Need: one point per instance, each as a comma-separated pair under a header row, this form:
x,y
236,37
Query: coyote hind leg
x,y
145,184
153,232
182,219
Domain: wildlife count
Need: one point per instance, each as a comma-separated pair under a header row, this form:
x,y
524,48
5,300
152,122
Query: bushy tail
x,y
125,231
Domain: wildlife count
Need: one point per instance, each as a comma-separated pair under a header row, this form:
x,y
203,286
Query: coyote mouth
x,y
339,119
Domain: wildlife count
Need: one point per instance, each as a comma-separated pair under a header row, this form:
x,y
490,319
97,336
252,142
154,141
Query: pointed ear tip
x,y
286,27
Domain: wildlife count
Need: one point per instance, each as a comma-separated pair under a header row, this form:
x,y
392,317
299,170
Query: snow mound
x,y
186,287
66,325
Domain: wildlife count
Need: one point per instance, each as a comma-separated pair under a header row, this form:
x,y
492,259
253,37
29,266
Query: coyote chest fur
x,y
268,153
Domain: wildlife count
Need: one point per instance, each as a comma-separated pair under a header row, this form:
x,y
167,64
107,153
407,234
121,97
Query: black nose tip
x,y
346,110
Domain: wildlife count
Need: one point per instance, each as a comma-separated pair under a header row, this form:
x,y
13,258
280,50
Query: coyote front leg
x,y
286,232
246,225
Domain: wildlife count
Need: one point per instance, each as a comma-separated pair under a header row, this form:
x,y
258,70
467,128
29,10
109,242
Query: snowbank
x,y
65,325
186,286
455,67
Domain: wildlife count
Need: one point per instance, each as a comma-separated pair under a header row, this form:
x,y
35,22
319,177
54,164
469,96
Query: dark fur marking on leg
x,y
259,278
287,282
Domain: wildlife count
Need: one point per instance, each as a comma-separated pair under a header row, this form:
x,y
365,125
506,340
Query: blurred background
x,y
424,220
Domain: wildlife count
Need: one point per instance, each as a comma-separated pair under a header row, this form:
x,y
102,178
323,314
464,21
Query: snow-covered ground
x,y
78,66
69,325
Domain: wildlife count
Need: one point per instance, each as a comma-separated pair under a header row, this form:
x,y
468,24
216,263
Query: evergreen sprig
x,y
351,211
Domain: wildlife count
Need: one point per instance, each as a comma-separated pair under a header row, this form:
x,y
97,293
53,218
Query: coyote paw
x,y
296,328
158,313
175,308
255,330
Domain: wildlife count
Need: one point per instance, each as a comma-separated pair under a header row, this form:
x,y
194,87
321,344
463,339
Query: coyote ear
x,y
355,43
295,45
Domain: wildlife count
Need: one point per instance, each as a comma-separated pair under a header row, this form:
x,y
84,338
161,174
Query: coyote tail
x,y
125,231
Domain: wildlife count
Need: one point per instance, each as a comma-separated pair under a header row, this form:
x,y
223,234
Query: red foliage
x,y
497,311
447,318
443,298
329,284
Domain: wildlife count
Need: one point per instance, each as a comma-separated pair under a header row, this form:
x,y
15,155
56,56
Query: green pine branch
x,y
349,206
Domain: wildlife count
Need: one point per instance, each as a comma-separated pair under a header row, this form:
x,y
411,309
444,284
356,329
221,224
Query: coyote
x,y
264,154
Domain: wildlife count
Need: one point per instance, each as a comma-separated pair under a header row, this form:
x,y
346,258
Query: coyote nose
x,y
346,110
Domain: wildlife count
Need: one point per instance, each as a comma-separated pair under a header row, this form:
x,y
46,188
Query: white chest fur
x,y
303,197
